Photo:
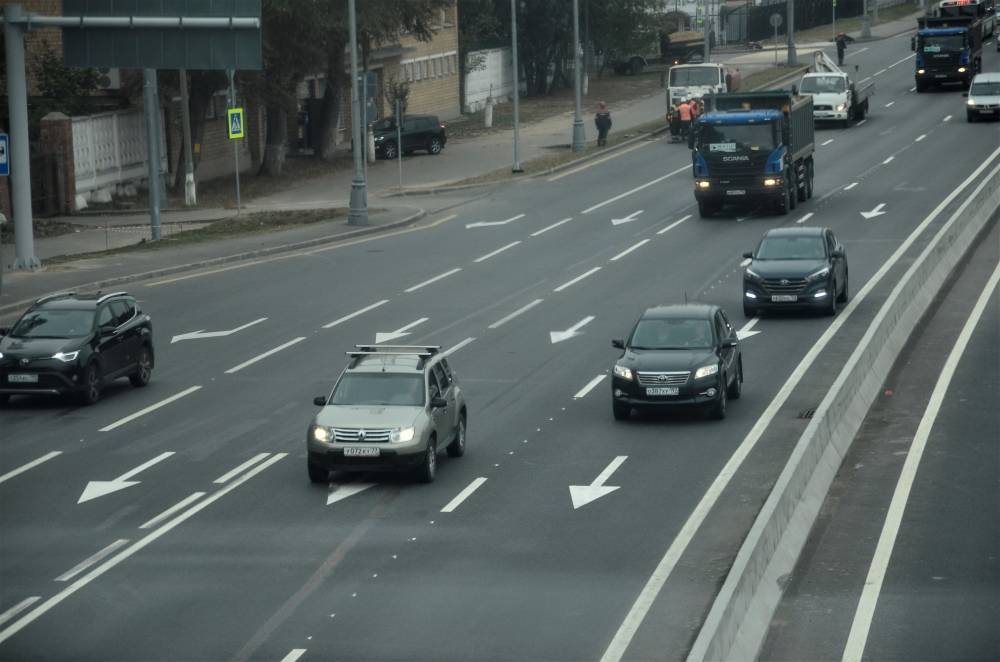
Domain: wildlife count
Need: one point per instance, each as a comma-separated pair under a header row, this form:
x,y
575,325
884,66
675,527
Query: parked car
x,y
983,97
420,132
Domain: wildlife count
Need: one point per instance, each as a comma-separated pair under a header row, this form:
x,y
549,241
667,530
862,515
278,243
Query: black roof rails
x,y
400,349
57,295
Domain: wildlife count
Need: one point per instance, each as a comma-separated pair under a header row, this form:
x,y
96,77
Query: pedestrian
x,y
841,41
602,120
675,122
684,111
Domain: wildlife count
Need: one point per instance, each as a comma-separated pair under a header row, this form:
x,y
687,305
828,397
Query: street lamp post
x,y
866,22
358,214
516,168
579,138
791,34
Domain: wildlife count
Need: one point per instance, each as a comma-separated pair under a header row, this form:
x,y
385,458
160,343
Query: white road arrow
x,y
745,332
874,212
483,224
98,488
342,492
571,332
398,333
628,219
213,334
584,494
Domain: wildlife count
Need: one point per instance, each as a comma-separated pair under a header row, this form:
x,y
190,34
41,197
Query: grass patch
x,y
40,229
853,24
763,78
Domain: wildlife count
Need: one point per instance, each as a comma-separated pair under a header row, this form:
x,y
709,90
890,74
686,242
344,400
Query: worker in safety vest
x,y
684,112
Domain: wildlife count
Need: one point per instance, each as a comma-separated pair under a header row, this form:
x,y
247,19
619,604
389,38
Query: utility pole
x,y
704,27
516,168
579,138
358,214
151,108
791,34
866,21
236,143
190,189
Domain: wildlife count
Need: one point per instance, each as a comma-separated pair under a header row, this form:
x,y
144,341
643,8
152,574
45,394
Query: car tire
x,y
620,411
428,468
434,145
842,297
389,151
317,474
736,388
4,399
91,391
706,209
143,370
750,311
831,302
802,188
718,410
969,116
457,447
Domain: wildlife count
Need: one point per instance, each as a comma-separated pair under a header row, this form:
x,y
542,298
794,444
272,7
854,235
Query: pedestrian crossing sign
x,y
235,123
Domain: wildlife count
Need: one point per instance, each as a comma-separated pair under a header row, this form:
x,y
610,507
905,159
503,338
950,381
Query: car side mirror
x,y
618,343
4,331
729,343
320,401
748,254
437,402
837,253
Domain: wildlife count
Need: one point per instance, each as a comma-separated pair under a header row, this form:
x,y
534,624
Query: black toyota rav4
x,y
68,343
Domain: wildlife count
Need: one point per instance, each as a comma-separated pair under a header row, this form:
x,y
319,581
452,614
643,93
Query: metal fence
x,y
753,23
110,148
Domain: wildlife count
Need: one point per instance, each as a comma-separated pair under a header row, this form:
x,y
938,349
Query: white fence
x,y
110,149
493,76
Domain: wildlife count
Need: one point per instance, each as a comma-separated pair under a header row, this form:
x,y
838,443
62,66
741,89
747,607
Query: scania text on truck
x,y
836,96
949,49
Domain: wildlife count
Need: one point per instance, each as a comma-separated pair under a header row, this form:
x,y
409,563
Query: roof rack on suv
x,y
57,295
399,349
105,297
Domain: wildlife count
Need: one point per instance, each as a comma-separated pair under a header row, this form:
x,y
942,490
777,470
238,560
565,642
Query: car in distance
x,y
684,354
800,267
393,408
420,132
76,344
983,97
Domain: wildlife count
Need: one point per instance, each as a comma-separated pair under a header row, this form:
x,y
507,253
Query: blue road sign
x,y
4,151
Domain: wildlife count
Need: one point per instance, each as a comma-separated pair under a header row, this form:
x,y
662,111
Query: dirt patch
x,y
40,229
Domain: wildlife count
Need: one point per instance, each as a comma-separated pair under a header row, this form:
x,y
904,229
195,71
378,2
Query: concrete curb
x,y
739,618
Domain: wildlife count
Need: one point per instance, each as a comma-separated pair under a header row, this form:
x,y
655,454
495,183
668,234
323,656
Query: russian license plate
x,y
736,191
366,451
940,75
663,390
22,379
784,298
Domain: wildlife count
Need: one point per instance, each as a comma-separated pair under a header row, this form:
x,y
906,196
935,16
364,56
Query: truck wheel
x,y
793,190
921,86
783,204
809,180
802,184
705,209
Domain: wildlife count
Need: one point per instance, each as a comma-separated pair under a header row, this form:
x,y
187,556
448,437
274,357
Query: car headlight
x,y
753,274
703,184
321,433
921,72
961,70
841,108
822,273
706,371
772,181
401,435
623,372
66,357
970,102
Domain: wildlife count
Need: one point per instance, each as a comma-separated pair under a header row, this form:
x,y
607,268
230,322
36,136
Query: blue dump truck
x,y
753,149
949,49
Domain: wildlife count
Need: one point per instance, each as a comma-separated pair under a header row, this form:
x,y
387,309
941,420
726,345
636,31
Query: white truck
x,y
836,97
696,81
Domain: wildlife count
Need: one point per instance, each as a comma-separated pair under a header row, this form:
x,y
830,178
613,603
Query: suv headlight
x,y
822,273
706,371
66,357
841,108
401,435
970,102
322,434
623,372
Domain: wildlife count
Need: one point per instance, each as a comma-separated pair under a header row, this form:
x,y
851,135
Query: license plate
x,y
784,298
736,191
663,390
366,451
22,379
940,75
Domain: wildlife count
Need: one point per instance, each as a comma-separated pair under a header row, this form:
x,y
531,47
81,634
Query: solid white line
x,y
132,549
897,62
496,252
673,225
86,563
888,160
554,225
294,655
180,505
577,279
523,309
880,72
18,608
805,218
249,463
644,601
635,190
629,250
850,186
946,118
591,164
920,137
457,346
864,80
889,104
266,354
861,625
355,314
826,143
30,465
151,408
433,280
860,50
463,495
589,387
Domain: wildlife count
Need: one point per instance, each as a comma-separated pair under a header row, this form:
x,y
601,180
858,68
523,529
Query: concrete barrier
x,y
739,618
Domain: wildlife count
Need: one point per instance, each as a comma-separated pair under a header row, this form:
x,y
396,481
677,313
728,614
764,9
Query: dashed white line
x,y
550,227
180,505
294,655
673,225
897,62
18,608
150,408
947,118
500,322
457,346
233,472
589,387
577,279
91,560
913,89
805,218
261,357
629,250
865,80
463,495
888,160
356,313
857,52
824,144
888,105
920,137
850,186
30,465
496,252
862,122
432,280
635,190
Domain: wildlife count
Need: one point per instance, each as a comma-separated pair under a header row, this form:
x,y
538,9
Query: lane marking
x,y
341,492
198,335
577,279
550,227
826,143
432,280
880,72
294,655
629,250
261,357
898,62
889,104
463,495
129,551
860,627
635,190
865,80
149,409
644,601
18,608
947,118
249,463
457,346
485,224
673,225
180,505
913,89
496,252
857,52
91,560
850,186
861,122
589,387
920,137
805,218
888,160
500,322
591,164
747,330
398,333
356,313
29,466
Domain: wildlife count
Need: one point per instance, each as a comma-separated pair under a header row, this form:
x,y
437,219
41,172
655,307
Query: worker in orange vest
x,y
684,111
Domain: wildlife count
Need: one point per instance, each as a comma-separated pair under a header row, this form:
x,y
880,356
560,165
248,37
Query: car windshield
x,y
379,388
54,324
736,137
385,124
694,76
988,88
791,248
943,43
822,84
672,334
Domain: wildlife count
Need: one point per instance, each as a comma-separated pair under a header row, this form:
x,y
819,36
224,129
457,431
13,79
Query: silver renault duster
x,y
393,408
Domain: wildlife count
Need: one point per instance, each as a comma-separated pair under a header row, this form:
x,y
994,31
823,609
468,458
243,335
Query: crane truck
x,y
836,97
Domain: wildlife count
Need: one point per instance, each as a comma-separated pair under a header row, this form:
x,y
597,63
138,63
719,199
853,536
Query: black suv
x,y
419,132
685,354
69,343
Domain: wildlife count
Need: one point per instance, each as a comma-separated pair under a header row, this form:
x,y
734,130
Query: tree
x,y
482,24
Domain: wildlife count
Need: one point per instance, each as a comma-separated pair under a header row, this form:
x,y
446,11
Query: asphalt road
x,y
224,551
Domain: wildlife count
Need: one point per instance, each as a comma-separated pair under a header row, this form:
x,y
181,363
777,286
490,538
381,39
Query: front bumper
x,y
984,111
392,457
829,115
53,378
695,392
757,295
949,75
737,192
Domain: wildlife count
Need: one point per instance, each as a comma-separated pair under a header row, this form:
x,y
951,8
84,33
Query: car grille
x,y
821,106
986,106
663,378
785,285
369,435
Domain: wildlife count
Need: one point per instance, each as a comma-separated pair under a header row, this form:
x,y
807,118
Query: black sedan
x,y
801,267
685,354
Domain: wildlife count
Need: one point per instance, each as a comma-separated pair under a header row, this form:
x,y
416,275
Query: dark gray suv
x,y
420,132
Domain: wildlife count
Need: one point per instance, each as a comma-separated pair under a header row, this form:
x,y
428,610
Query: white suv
x,y
983,97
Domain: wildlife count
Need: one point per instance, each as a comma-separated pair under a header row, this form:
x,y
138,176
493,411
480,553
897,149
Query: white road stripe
x,y
496,252
591,164
888,160
577,279
30,465
18,608
920,137
888,105
865,80
86,563
463,495
263,356
850,186
913,89
589,387
635,190
897,62
805,218
629,250
547,228
356,313
824,144
457,346
432,280
500,322
132,549
858,638
180,505
151,408
860,50
880,72
294,655
862,122
947,118
673,225
249,463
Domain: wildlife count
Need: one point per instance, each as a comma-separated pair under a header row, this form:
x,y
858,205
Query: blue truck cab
x,y
949,49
